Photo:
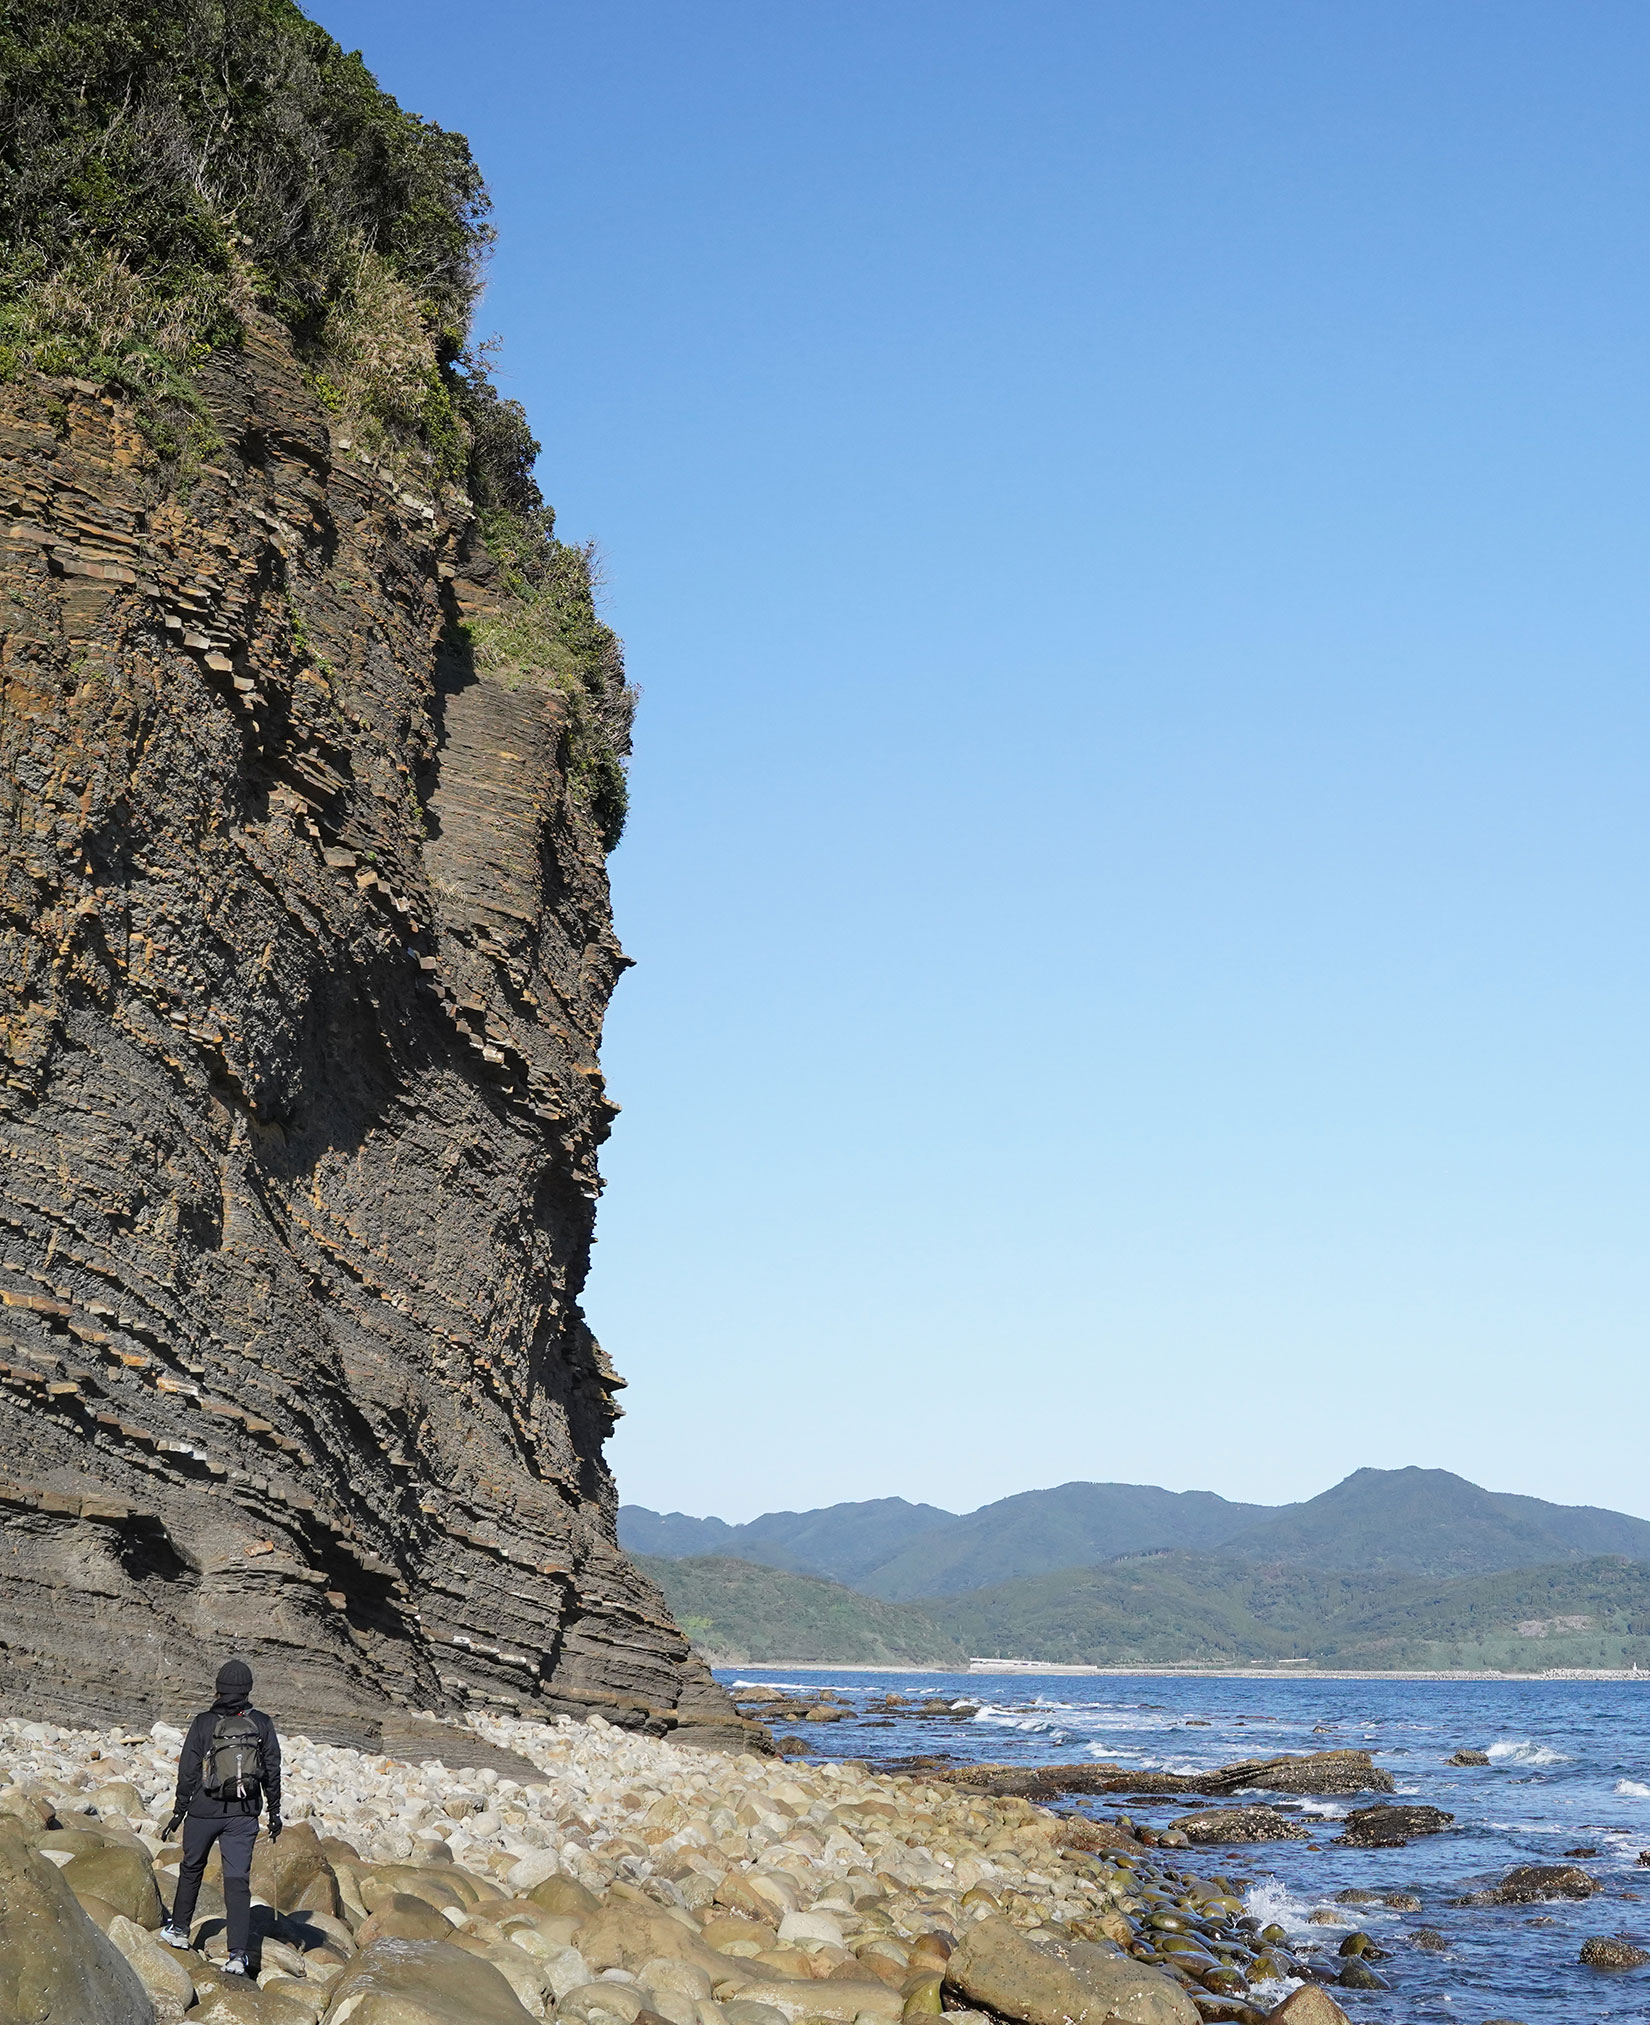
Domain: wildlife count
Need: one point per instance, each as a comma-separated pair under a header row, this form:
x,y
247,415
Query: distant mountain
x,y
845,1542
737,1612
1428,1522
1406,1521
1041,1530
1190,1609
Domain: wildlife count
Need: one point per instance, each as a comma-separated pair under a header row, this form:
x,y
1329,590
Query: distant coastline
x,y
1168,1670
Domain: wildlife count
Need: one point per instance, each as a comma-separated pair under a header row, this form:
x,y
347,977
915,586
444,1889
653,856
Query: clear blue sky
x,y
1130,521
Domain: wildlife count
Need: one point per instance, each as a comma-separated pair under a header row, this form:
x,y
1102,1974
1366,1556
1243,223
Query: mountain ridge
x,y
1413,1521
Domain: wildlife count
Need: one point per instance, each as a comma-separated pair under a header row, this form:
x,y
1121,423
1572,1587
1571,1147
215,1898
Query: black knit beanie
x,y
234,1678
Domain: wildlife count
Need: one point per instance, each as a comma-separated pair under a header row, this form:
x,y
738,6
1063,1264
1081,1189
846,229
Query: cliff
x,y
304,952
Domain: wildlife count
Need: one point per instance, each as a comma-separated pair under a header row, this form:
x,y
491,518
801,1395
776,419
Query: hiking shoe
x,y
174,1937
236,1966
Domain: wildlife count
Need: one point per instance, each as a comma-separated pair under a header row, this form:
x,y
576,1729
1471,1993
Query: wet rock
x,y
1240,1824
1387,1827
55,1964
1533,1882
1358,1975
1002,1971
1317,1772
1429,1938
1611,1952
1469,1758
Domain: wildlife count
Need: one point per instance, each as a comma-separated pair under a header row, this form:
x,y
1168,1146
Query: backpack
x,y
233,1766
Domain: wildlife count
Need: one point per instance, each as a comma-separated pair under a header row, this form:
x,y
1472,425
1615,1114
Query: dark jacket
x,y
193,1799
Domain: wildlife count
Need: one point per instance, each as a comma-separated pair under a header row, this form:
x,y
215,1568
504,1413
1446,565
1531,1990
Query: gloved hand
x,y
171,1827
276,1824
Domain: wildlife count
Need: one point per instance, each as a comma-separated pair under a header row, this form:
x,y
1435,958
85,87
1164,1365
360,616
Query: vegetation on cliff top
x,y
172,169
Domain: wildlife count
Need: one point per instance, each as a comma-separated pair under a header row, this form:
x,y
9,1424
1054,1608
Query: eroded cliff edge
x,y
305,952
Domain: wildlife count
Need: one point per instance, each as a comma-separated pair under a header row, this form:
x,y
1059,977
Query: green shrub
x,y
170,168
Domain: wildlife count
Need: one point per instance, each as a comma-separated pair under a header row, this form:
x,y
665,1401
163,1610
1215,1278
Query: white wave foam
x,y
1326,1808
1632,1789
1272,1902
1522,1751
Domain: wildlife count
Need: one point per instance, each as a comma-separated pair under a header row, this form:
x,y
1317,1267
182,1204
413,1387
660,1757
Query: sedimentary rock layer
x,y
304,954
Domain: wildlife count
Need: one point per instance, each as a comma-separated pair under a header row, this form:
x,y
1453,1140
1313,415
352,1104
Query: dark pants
x,y
237,1833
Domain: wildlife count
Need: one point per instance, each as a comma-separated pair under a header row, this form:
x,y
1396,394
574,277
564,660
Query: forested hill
x,y
1407,1521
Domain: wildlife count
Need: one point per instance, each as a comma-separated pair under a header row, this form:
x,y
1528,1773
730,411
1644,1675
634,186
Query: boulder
x,y
401,1917
422,1983
1061,1983
1384,1826
836,1999
160,1970
563,1894
1469,1758
293,1873
625,1934
1532,1882
1606,1951
1240,1824
1316,1772
121,1877
525,1973
1308,2006
55,1964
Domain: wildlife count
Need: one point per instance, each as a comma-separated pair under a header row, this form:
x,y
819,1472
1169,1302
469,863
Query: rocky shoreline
x,y
594,1876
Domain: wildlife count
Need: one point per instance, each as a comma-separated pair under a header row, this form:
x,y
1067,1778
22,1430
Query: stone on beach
x,y
1003,1971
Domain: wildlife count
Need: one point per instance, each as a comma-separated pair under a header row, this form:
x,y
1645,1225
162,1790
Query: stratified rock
x,y
1532,1882
1605,1951
1240,1824
304,953
55,1964
1388,1827
1061,1983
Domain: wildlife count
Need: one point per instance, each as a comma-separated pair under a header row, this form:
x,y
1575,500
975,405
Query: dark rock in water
x,y
1358,1975
1607,1952
1429,1938
1240,1824
1387,1827
1469,1758
306,953
1356,1897
1400,1901
1533,1882
1317,1772
1585,1850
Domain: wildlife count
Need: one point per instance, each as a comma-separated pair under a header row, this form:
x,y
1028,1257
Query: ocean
x,y
1569,1770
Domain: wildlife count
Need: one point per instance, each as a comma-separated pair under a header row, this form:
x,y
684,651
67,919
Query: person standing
x,y
229,1768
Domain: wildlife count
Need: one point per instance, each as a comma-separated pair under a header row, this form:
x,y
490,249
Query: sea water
x,y
1569,1770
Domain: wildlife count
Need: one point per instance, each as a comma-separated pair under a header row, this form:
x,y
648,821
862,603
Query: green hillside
x,y
741,1613
1430,1522
1185,1609
846,1542
1072,1524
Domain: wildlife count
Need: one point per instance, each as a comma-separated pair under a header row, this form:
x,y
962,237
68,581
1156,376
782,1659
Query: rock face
x,y
304,954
